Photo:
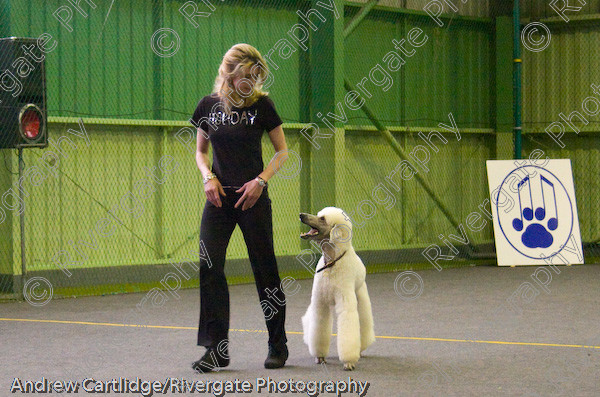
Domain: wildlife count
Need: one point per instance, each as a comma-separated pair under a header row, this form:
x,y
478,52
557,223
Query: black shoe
x,y
210,360
276,357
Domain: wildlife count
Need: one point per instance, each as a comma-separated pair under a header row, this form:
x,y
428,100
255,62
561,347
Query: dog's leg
x,y
348,327
365,316
317,323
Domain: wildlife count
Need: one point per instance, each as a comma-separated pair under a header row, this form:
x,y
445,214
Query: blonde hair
x,y
240,61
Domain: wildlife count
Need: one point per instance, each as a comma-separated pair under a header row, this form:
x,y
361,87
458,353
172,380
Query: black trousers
x,y
216,228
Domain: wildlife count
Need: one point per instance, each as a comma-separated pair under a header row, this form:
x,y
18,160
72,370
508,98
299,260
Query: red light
x,y
30,124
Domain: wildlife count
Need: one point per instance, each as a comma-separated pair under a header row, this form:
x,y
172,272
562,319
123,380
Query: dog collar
x,y
330,264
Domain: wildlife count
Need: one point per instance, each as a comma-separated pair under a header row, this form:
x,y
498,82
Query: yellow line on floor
x,y
493,342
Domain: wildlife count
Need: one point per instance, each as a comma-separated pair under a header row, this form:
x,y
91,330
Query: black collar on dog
x,y
330,264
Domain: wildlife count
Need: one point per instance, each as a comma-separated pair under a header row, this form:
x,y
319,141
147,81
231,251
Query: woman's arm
x,y
252,189
280,156
202,144
213,187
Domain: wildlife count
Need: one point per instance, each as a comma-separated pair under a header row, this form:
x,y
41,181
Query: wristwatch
x,y
208,177
260,181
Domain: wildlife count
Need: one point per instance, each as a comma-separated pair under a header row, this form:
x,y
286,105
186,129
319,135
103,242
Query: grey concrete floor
x,y
474,331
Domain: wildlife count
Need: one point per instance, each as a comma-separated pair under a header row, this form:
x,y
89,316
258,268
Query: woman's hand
x,y
213,189
251,192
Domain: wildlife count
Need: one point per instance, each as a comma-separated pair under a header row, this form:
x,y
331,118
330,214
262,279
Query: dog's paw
x,y
320,360
349,366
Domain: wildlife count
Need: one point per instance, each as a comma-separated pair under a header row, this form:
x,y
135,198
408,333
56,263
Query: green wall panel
x,y
106,68
558,79
449,73
191,72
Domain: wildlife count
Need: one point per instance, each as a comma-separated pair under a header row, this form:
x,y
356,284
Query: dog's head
x,y
330,223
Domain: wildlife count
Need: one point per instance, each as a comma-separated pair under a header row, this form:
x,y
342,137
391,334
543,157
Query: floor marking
x,y
492,342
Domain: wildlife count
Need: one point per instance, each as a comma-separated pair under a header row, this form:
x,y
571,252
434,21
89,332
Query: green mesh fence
x,y
118,209
560,104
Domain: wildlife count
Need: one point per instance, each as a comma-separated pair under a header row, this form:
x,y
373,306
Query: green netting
x,y
124,77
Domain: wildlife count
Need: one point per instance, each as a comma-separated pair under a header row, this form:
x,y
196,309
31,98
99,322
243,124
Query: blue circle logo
x,y
535,212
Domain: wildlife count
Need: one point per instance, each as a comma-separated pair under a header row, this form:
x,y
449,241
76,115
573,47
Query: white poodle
x,y
339,285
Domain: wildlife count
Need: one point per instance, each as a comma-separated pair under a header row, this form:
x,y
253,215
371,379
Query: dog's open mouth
x,y
311,233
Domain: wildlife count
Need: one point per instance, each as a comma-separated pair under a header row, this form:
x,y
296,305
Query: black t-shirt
x,y
236,138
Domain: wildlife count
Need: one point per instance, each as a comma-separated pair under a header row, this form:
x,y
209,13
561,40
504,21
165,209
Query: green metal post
x,y
22,227
305,97
158,16
517,78
327,90
503,82
359,17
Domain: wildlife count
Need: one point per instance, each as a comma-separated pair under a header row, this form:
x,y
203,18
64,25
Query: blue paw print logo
x,y
537,234
538,224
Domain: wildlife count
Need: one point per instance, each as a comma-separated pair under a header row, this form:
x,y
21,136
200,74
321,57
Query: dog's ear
x,y
341,233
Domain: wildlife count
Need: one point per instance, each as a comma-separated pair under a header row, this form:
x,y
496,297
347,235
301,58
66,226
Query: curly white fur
x,y
342,290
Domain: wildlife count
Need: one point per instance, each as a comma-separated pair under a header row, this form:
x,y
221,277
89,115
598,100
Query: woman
x,y
233,120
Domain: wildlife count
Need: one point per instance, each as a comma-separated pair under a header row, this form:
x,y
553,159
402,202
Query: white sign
x,y
534,213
